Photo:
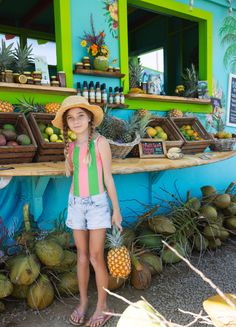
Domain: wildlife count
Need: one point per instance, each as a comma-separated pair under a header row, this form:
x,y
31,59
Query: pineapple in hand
x,y
118,258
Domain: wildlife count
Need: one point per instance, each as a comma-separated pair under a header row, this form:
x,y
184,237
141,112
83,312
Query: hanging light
x,y
230,6
191,2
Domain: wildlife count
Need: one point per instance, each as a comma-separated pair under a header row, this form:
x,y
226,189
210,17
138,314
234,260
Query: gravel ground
x,y
177,287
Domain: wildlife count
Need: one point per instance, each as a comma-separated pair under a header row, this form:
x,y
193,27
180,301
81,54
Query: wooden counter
x,y
119,166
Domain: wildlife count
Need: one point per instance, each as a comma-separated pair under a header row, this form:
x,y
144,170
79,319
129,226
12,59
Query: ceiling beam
x,y
34,12
146,19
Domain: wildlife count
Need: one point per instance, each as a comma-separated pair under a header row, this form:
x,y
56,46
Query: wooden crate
x,y
21,153
193,146
47,151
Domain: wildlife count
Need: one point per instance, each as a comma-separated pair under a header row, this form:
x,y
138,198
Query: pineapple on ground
x,y
118,258
6,106
52,107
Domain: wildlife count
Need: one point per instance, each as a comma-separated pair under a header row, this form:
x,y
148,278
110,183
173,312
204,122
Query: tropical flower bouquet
x,y
96,47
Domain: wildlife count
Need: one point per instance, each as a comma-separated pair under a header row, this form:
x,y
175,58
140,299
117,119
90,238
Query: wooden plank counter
x,y
119,166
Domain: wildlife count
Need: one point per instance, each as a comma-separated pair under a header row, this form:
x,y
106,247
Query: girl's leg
x,y
96,254
82,243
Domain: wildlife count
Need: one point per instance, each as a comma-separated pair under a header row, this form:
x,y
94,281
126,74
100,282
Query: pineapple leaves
x,y
6,56
23,57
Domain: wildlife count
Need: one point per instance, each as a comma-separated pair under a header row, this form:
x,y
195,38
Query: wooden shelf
x,y
38,88
119,166
93,72
166,98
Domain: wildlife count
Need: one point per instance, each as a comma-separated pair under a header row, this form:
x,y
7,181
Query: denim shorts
x,y
86,213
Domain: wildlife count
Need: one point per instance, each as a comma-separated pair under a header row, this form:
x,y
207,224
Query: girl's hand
x,y
116,220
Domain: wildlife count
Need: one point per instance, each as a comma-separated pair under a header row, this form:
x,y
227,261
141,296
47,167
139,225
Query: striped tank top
x,y
87,179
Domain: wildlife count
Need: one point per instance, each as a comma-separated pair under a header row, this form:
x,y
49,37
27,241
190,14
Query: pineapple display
x,y
6,106
6,56
190,79
29,105
175,113
52,107
135,73
118,258
22,57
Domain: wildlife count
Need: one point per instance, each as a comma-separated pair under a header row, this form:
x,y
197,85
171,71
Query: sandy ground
x,y
177,287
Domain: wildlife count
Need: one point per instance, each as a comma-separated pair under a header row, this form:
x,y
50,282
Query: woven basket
x,y
223,144
121,150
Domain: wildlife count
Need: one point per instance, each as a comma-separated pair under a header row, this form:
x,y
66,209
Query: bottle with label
x,y
110,97
122,97
91,92
98,94
117,96
78,88
144,82
104,93
85,90
61,77
151,88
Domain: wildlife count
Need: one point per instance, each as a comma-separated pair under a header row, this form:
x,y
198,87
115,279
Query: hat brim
x,y
95,110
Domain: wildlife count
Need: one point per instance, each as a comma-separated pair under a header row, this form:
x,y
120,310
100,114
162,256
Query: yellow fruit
x,y
48,131
151,131
163,136
73,136
53,138
189,132
6,106
52,107
158,129
187,127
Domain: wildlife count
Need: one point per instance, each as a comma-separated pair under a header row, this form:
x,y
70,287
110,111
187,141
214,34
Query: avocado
x,y
9,135
9,127
23,139
3,140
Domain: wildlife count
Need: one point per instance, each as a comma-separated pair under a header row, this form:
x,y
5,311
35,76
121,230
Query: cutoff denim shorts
x,y
87,213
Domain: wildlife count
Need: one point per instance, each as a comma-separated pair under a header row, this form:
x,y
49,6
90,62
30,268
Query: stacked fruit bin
x,y
17,143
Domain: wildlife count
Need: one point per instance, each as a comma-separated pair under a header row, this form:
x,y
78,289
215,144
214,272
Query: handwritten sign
x,y
151,148
231,111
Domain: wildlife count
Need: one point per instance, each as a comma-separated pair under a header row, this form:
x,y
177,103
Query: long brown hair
x,y
87,158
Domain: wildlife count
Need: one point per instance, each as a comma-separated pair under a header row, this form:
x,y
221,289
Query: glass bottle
x,y
85,90
104,93
110,97
91,92
61,77
98,95
117,96
78,88
122,97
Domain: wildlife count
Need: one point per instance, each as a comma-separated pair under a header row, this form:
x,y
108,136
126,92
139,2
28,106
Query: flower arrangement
x,y
95,42
111,16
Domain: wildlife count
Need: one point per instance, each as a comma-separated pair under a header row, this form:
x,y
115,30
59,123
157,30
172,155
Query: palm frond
x,y
229,38
228,27
229,56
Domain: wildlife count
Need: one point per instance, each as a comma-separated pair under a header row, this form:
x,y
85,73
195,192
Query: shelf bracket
x,y
153,178
38,187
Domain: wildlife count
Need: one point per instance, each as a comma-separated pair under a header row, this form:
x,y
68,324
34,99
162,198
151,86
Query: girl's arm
x,y
105,152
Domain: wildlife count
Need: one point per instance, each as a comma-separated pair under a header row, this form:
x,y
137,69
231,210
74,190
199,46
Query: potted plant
x,y
96,47
6,59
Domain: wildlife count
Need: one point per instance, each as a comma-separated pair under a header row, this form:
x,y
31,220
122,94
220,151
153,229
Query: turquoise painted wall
x,y
132,189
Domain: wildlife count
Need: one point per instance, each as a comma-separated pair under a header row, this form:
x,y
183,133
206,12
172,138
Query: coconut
x,y
231,223
162,225
49,252
149,239
194,204
128,236
200,243
153,262
140,277
138,315
211,231
2,307
224,234
114,283
209,213
231,210
11,261
214,243
233,197
25,270
41,293
68,262
222,201
6,286
62,238
20,291
170,257
208,191
68,283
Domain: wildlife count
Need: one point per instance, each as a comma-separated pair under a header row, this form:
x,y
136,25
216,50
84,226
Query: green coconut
x,y
49,252
20,291
6,286
208,191
41,293
149,239
224,234
209,213
2,307
11,261
233,197
170,257
231,223
193,203
222,201
62,238
162,225
68,262
214,243
140,277
128,236
211,231
230,210
200,243
139,316
115,283
68,283
25,270
153,262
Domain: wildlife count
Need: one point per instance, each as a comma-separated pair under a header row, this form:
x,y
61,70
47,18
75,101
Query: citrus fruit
x,y
48,131
53,138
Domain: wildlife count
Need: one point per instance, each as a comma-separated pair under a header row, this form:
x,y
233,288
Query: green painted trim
x,y
23,32
165,106
63,38
178,9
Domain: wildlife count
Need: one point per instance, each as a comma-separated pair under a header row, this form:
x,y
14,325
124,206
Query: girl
x,y
88,159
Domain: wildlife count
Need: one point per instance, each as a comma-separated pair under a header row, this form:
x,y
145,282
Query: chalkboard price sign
x,y
231,112
151,148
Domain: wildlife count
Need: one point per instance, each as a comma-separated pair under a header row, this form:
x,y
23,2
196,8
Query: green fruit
x,y
23,139
42,127
56,130
48,130
9,127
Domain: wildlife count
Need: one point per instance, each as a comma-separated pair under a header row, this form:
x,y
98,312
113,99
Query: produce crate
x,y
47,151
193,146
20,153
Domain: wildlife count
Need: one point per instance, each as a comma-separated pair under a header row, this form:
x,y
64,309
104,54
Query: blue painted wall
x,y
132,189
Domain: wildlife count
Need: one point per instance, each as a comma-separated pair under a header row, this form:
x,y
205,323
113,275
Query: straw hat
x,y
75,101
